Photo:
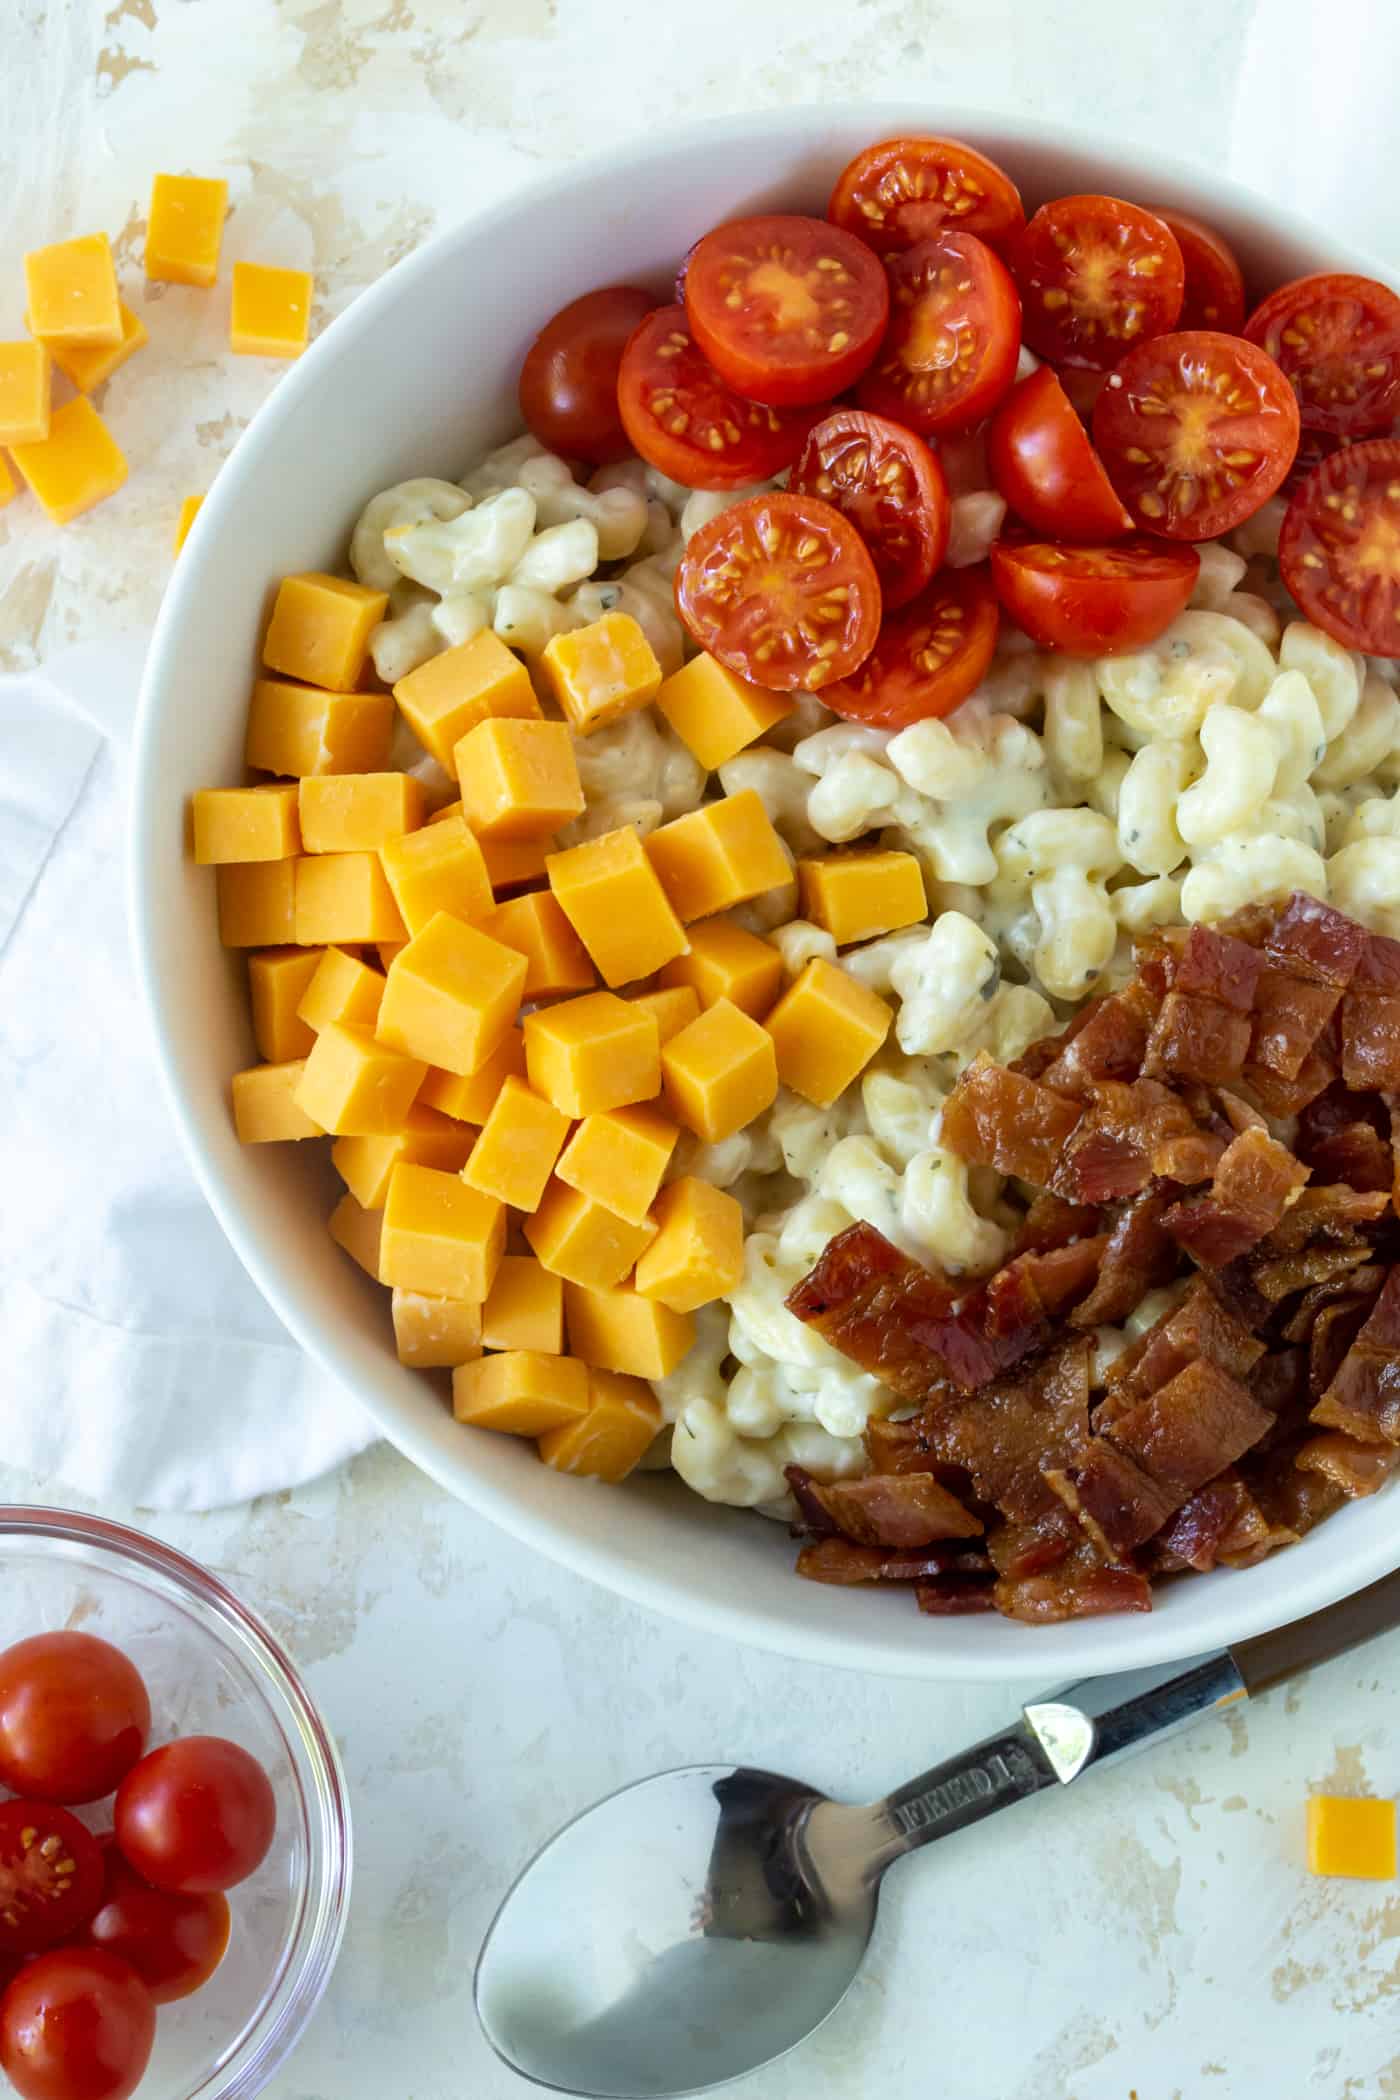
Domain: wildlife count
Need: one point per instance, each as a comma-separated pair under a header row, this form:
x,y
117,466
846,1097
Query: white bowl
x,y
419,378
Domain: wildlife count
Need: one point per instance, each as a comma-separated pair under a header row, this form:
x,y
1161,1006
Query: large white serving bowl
x,y
419,378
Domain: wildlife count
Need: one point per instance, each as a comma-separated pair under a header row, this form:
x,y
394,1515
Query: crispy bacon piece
x,y
1357,1469
1139,1256
1109,1044
874,1304
1248,1195
1036,1059
1340,1216
1364,1397
1316,941
1052,1222
1197,1038
1290,1015
906,1510
1214,965
1199,1329
1280,1097
1292,1502
953,1596
1018,1549
1082,1586
1358,1155
995,1118
841,1562
1004,1436
1371,1018
1222,1517
1128,1133
1119,1506
897,1447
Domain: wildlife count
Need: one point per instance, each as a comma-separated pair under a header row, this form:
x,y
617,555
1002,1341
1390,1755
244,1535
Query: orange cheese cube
x,y
451,995
448,811
297,730
512,863
342,989
525,1309
185,229
726,962
277,980
435,1334
522,1391
519,1143
452,692
719,1073
265,1104
601,672
440,1236
471,1096
1351,1837
856,896
519,779
270,315
610,893
25,382
189,511
320,630
388,952
619,1158
7,483
358,812
825,1030
622,1422
591,1054
716,714
257,903
344,897
555,958
356,1087
618,1331
698,1253
241,824
358,1231
79,464
427,1139
91,365
437,869
582,1241
721,854
672,1008
71,289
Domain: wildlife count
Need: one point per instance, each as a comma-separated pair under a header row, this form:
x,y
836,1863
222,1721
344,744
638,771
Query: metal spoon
x,y
701,1923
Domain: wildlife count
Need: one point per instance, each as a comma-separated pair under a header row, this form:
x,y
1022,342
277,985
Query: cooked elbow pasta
x,y
1241,761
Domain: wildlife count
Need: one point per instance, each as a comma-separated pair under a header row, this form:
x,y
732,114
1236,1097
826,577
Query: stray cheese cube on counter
x,y
71,288
25,382
525,1307
619,1331
189,511
519,779
91,365
243,824
452,692
185,229
673,1008
437,869
727,962
298,730
257,903
354,1086
522,1391
857,896
470,1096
601,672
582,1241
320,630
825,1029
715,713
520,1140
698,1253
359,1232
591,1054
556,960
270,315
719,1073
612,897
1351,1837
265,1108
278,979
79,464
435,1334
428,1139
440,1237
613,1437
451,995
342,989
358,812
344,897
721,854
619,1158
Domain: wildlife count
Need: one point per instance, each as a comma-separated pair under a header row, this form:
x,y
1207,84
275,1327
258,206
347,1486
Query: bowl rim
x,y
1129,1642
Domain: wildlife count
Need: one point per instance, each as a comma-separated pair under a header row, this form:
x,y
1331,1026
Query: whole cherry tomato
x,y
74,1716
174,1942
568,382
76,2024
196,1816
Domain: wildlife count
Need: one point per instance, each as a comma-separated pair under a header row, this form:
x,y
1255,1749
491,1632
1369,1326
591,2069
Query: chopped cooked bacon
x,y
1109,1044
1119,1506
897,1447
953,1596
841,1562
1335,1214
1222,1517
1357,1469
994,1118
1051,1222
1083,1586
1018,1549
1313,1268
1290,1016
891,1509
1250,1191
1364,1396
1138,1257
1036,1059
1356,1286
1316,941
874,1304
1356,1154
1199,1329
1006,1435
1279,1097
1214,965
1128,1133
1371,1039
1197,1038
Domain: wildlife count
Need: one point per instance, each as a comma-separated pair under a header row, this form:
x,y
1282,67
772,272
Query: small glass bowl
x,y
211,1669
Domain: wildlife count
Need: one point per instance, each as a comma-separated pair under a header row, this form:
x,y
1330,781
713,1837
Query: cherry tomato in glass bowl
x,y
1339,549
903,191
781,590
76,2024
174,1942
888,484
1093,601
196,1816
1196,430
1096,275
788,310
1214,296
689,423
568,382
50,1875
930,656
1337,340
950,351
74,1716
1044,465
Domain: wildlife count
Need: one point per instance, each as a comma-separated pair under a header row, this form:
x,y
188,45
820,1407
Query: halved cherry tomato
x,y
892,489
929,657
1337,339
782,590
173,1942
1090,601
687,423
905,190
1196,430
1340,547
74,1716
1096,275
1044,465
196,1816
50,1876
77,2024
1214,280
568,382
788,310
954,336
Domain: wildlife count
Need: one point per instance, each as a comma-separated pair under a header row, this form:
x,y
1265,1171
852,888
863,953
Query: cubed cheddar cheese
x,y
25,382
435,1334
71,292
7,483
609,1441
727,962
389,952
619,1158
715,713
342,989
591,1054
265,1107
514,863
320,630
856,896
428,1139
257,903
719,1073
601,672
698,1253
451,995
189,510
612,897
519,779
618,1331
91,365
673,1008
270,314
440,1237
242,824
437,869
355,1087
344,897
357,812
359,1232
524,1392
79,464
470,1096
556,960
298,730
825,1030
452,692
1352,1837
185,229
278,979
582,1241
520,1140
525,1307
721,854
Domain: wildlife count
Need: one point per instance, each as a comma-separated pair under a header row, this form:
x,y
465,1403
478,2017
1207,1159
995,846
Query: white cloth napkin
x,y
138,1363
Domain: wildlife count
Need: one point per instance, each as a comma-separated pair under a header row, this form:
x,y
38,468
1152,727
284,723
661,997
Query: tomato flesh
x,y
74,1716
77,2024
954,336
688,423
892,489
568,382
788,310
1096,275
1044,465
1196,430
196,1816
1339,549
781,590
1092,601
50,1875
1337,340
174,1942
929,657
903,191
1214,296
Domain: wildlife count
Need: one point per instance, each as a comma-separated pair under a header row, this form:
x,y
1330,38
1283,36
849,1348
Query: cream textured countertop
x,y
1154,1936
